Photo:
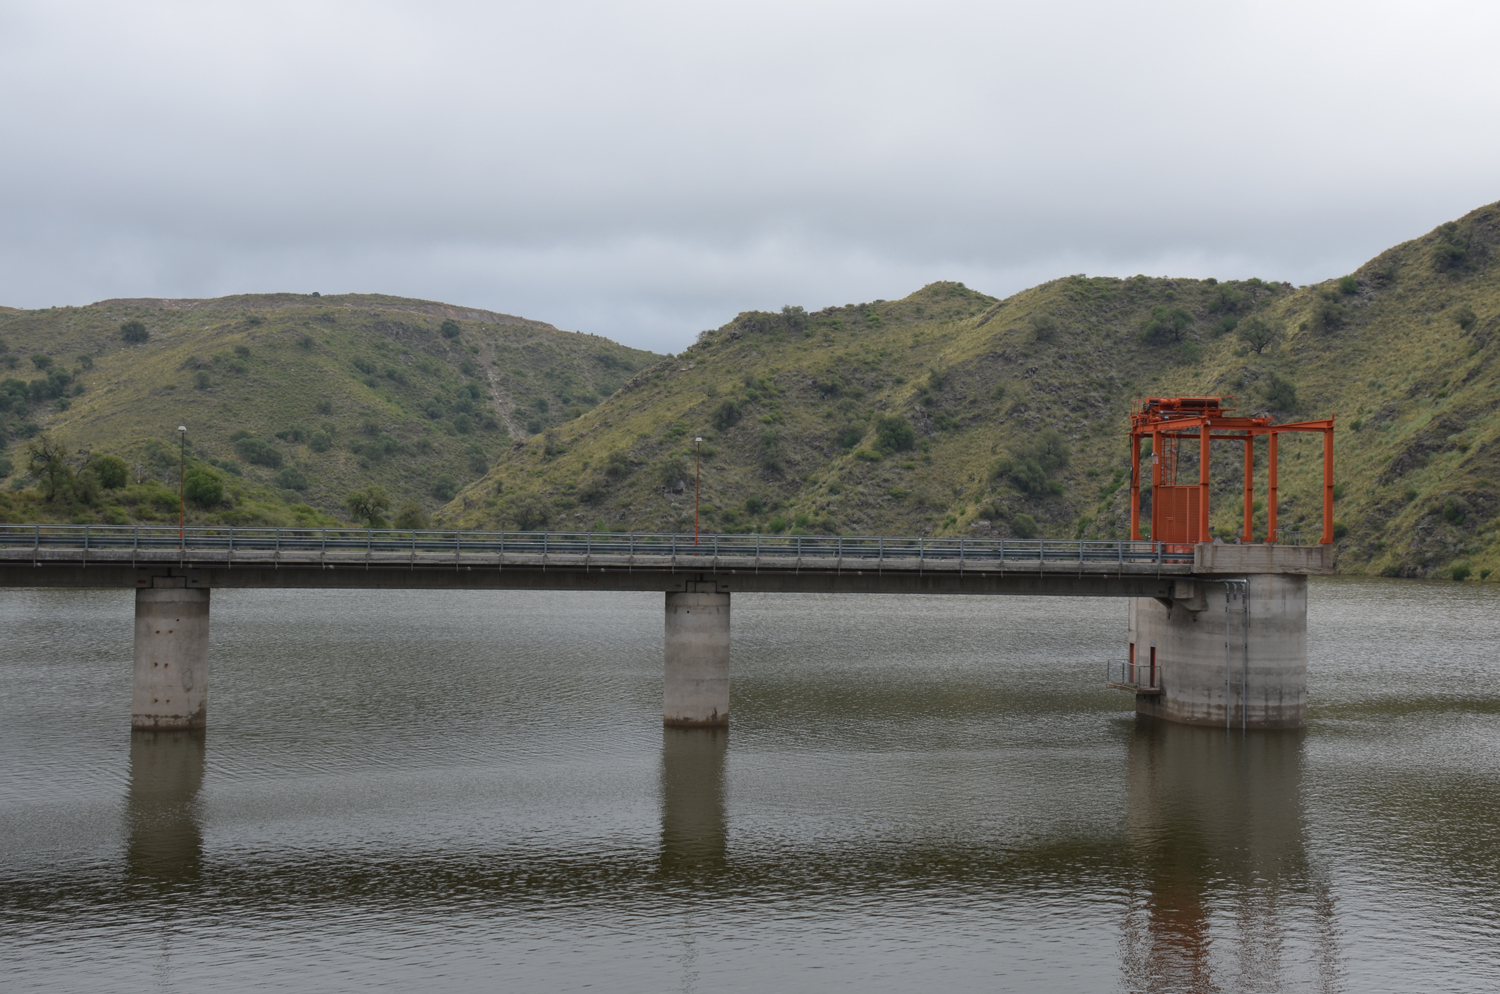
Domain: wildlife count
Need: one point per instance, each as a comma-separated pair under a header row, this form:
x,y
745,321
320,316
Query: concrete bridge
x,y
1217,633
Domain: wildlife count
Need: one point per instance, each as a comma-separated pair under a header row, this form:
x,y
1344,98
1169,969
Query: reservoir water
x,y
455,792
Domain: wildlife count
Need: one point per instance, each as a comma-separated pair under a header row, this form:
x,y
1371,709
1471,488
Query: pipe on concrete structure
x,y
696,685
1191,635
170,689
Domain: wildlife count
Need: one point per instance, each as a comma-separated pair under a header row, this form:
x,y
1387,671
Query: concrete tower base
x,y
697,670
1233,654
170,689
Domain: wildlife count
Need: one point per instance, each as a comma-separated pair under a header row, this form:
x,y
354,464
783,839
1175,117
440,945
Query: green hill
x,y
292,401
953,413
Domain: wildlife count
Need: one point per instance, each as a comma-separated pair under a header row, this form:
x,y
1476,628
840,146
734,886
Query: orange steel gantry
x,y
1179,512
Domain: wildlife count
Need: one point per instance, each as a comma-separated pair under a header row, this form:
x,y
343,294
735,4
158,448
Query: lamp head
x,y
698,439
182,427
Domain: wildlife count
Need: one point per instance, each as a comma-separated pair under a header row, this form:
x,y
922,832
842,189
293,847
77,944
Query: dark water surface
x,y
449,791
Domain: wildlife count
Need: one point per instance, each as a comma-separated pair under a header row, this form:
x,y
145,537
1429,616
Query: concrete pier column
x,y
1257,680
170,690
697,663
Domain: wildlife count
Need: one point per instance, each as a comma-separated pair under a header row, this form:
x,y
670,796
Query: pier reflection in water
x,y
1216,842
694,825
164,823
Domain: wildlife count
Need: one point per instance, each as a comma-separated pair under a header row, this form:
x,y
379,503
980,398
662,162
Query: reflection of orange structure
x,y
1179,511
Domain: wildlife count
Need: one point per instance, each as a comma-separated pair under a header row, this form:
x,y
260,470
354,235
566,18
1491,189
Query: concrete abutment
x,y
696,679
170,686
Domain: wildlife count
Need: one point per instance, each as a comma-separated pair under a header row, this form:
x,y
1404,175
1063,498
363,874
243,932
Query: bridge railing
x,y
395,544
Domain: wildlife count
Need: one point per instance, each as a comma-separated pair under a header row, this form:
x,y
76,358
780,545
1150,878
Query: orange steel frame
x,y
1167,421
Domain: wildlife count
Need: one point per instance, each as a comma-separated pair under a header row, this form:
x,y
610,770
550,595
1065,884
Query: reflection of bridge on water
x,y
1210,867
1180,617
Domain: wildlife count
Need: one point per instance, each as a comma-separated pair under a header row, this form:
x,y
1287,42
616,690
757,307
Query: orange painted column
x,y
1249,533
1135,487
1155,485
1203,535
1328,487
1271,497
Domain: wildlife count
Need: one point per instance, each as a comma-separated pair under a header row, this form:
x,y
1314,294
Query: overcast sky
x,y
647,170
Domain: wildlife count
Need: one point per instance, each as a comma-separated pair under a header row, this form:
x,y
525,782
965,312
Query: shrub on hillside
x,y
1451,248
849,436
203,488
1280,394
1348,286
617,465
292,478
1464,316
1166,326
111,471
1329,315
1024,525
725,416
770,455
411,516
320,441
134,332
671,471
1043,327
894,434
1035,461
259,453
443,488
450,328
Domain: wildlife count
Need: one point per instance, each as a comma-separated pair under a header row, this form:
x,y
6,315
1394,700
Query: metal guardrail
x,y
392,547
1143,678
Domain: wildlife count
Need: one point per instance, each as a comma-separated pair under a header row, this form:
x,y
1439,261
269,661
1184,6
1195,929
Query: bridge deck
x,y
360,548
97,555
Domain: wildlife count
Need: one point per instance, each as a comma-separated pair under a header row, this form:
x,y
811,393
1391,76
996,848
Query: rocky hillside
x,y
950,412
292,401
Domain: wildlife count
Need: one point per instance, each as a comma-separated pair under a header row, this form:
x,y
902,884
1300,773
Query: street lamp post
x,y
181,485
697,482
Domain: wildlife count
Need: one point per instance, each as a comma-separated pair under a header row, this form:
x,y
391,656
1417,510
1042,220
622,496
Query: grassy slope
x,y
978,377
302,355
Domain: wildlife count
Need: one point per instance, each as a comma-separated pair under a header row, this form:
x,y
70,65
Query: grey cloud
x,y
646,170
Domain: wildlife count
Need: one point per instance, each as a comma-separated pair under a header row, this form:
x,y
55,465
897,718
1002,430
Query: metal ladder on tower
x,y
1236,650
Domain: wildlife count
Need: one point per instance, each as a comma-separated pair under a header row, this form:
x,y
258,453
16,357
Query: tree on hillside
x,y
449,328
1258,334
47,461
368,504
134,332
529,512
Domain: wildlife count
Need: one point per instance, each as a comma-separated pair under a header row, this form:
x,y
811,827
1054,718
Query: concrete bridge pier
x,y
170,689
697,660
1230,652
